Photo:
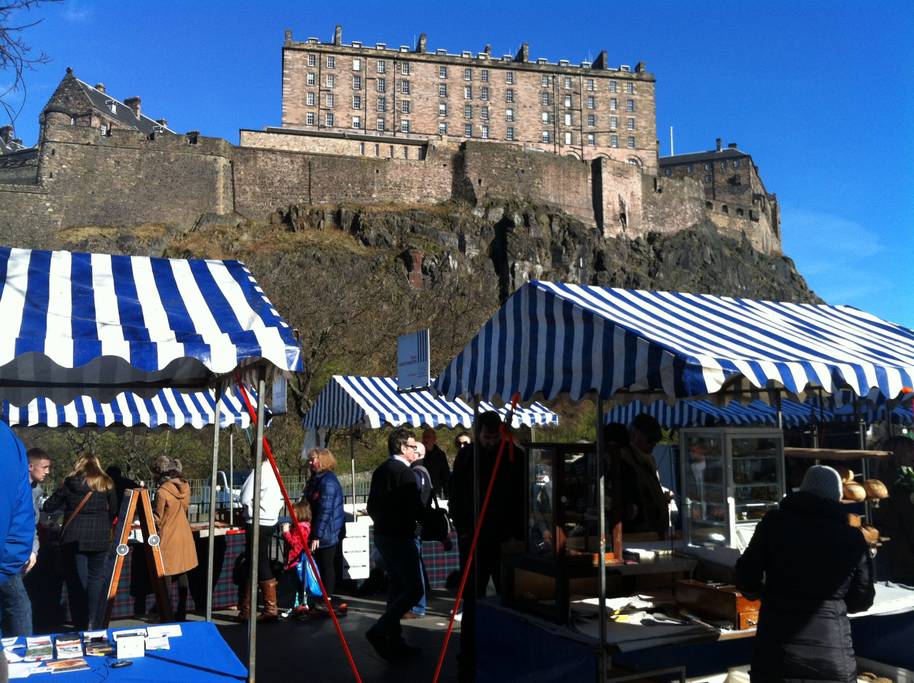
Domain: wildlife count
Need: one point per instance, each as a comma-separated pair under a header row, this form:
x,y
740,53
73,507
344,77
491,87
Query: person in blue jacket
x,y
17,517
328,520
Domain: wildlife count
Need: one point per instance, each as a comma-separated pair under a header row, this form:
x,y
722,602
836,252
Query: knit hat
x,y
164,464
823,481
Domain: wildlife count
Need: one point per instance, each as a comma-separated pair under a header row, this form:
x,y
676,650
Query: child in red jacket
x,y
295,557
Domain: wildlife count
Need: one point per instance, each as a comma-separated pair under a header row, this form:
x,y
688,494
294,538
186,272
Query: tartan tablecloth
x,y
440,563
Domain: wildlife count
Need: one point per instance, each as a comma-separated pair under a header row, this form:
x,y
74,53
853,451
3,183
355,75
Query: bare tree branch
x,y
16,56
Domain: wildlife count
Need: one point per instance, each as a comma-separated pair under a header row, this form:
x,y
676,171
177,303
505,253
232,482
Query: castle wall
x,y
672,204
27,216
378,148
622,205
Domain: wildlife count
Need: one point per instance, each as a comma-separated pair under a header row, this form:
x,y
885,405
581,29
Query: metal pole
x,y
352,470
475,489
601,516
255,531
211,537
231,477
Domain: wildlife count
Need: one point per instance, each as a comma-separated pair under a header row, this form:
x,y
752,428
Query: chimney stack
x,y
288,36
100,87
6,133
523,55
601,62
732,145
134,104
162,122
338,35
718,144
423,41
487,49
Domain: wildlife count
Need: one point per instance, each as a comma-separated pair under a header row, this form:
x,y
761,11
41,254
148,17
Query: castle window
x,y
309,99
112,106
509,115
547,117
309,118
379,124
568,101
630,142
356,82
328,118
356,64
329,99
567,119
688,168
708,166
382,103
723,165
567,82
591,139
613,86
356,121
362,148
468,111
331,81
668,172
629,87
103,129
547,137
377,150
404,87
442,128
442,90
404,106
484,75
509,95
739,212
630,123
545,98
381,66
709,205
382,84
509,77
485,133
591,120
405,68
468,130
484,92
311,78
356,101
510,133
442,72
468,92
442,109
547,81
724,208
331,62
630,105
484,113
567,138
709,178
613,122
736,163
312,59
591,102
613,104
468,74
590,84
406,152
404,125
613,140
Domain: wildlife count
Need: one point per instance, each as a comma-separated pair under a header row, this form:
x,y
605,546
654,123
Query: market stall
x,y
593,342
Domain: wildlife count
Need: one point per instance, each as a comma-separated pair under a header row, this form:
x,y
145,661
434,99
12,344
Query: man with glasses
x,y
396,510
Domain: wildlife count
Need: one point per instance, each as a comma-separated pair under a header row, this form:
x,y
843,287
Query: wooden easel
x,y
136,502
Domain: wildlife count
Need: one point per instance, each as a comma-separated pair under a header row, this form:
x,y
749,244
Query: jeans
x,y
15,608
401,559
85,585
420,607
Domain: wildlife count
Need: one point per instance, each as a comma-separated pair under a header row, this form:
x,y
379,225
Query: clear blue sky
x,y
819,92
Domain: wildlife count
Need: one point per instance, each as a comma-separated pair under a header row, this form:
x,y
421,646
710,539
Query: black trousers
x,y
488,566
327,565
264,567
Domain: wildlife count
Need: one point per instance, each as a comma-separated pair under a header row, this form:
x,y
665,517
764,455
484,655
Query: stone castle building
x,y
101,161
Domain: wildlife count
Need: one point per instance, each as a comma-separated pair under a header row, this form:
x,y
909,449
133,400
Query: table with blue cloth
x,y
199,654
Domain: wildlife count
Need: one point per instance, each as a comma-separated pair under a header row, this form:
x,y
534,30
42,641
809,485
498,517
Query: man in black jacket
x,y
396,510
436,463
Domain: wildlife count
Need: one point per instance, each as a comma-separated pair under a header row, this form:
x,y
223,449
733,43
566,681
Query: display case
x,y
732,476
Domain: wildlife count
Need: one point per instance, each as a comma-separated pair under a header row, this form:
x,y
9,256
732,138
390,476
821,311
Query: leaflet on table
x,y
38,648
6,642
69,646
23,669
157,643
62,665
128,632
168,630
97,644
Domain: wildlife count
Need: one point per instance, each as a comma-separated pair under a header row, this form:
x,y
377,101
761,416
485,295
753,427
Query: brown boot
x,y
270,610
244,603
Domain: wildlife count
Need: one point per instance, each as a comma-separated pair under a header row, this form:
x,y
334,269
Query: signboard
x,y
413,370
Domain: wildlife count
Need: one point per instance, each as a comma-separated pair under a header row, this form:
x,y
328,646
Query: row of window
x,y
708,166
406,70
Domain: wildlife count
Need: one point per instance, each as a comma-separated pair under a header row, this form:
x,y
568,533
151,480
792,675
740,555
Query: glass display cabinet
x,y
731,477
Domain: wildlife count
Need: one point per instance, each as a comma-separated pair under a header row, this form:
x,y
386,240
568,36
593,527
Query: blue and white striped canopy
x,y
372,402
93,324
167,408
700,413
551,339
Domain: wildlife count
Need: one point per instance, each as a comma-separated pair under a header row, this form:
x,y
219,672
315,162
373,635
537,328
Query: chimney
x,y
338,35
100,87
6,133
718,144
423,41
487,49
732,145
523,55
162,122
134,104
601,62
640,67
288,36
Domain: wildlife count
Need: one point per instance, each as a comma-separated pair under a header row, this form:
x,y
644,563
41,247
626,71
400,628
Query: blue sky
x,y
819,92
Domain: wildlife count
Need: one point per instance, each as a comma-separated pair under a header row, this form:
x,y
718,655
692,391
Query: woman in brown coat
x,y
179,554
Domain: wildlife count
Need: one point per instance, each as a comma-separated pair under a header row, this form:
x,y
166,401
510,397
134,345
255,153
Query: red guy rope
x,y
285,495
505,438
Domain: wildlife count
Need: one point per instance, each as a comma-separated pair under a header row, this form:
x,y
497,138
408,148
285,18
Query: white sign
x,y
413,370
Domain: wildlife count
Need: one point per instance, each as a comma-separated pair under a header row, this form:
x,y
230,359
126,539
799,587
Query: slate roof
x,y
696,157
11,146
116,110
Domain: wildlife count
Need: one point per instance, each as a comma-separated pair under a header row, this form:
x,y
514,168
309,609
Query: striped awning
x,y
552,339
167,408
98,325
372,402
701,413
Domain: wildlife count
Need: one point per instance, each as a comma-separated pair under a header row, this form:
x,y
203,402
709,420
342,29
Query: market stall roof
x,y
371,402
701,413
550,339
167,408
95,324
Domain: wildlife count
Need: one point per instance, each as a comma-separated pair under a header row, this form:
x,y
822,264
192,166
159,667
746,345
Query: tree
x,y
16,56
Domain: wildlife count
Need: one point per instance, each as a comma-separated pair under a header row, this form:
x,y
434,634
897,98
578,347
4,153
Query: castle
x,y
380,125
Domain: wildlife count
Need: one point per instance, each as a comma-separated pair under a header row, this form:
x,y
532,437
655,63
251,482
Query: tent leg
x,y
231,478
255,531
601,517
211,538
352,470
475,489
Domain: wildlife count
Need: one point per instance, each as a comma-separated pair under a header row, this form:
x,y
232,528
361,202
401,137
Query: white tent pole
x,y
352,470
255,531
211,537
601,517
231,477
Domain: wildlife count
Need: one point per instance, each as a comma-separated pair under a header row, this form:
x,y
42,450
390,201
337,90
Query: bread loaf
x,y
845,472
875,489
854,520
854,491
870,533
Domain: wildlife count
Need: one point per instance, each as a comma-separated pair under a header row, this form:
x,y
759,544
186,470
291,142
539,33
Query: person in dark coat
x,y
810,568
436,463
87,538
895,515
324,494
505,521
17,522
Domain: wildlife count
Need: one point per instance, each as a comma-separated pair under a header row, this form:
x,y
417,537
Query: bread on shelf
x,y
875,489
854,491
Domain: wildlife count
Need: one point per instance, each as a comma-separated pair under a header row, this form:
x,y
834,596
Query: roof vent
x,y
563,62
482,55
313,40
542,60
356,43
404,48
624,67
467,54
100,87
440,51
381,46
585,65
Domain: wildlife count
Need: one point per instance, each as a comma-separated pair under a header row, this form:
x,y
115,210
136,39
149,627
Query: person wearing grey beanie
x,y
810,568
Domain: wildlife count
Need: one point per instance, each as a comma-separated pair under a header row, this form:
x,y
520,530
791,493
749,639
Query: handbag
x,y
308,578
63,528
436,525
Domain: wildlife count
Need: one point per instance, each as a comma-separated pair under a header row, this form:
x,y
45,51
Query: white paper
x,y
9,641
23,669
11,654
167,630
131,647
126,633
157,643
